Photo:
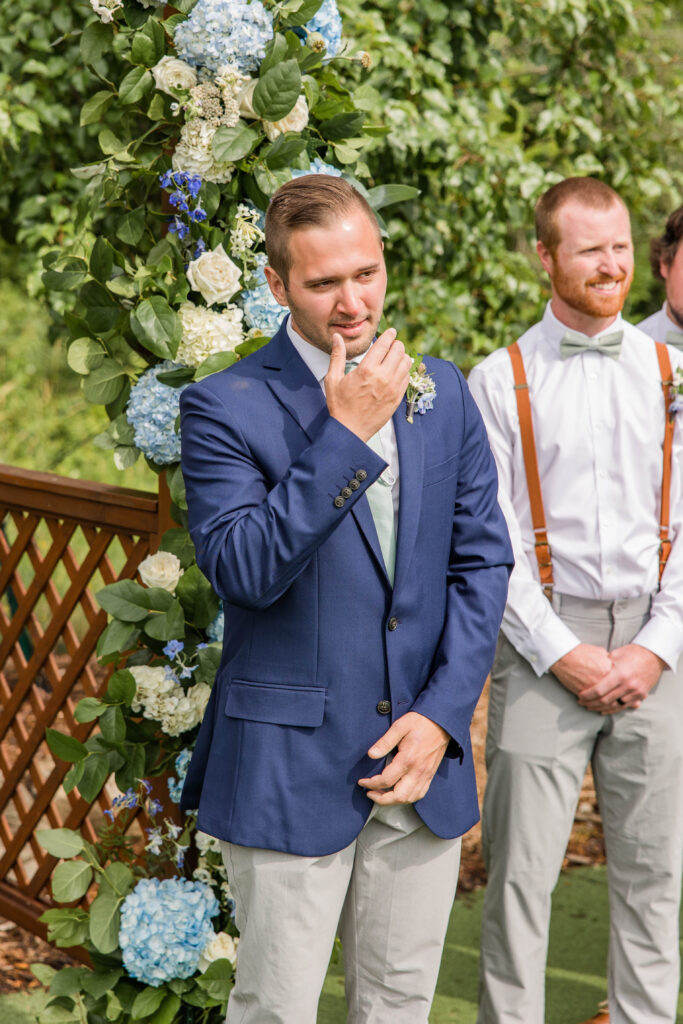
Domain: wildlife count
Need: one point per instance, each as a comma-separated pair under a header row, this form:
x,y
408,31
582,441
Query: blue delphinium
x,y
214,630
327,22
165,925
221,31
152,411
318,167
175,786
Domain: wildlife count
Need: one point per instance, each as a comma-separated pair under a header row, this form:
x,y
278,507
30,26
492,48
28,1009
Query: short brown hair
x,y
587,191
663,250
312,200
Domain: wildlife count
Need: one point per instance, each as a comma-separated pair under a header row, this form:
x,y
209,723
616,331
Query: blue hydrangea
x,y
165,925
175,786
220,31
318,167
261,310
152,411
214,630
327,22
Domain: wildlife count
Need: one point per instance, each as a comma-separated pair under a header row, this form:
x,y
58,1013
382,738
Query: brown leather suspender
x,y
533,480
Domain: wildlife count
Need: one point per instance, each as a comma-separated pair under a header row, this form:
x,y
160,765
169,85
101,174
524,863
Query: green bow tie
x,y
607,344
675,338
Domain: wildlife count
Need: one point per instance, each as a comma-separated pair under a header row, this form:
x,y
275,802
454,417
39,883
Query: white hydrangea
x,y
161,570
231,81
160,697
172,75
194,154
221,947
295,121
206,332
245,233
106,9
214,275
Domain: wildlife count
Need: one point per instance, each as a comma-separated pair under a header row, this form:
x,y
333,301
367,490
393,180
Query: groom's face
x,y
336,283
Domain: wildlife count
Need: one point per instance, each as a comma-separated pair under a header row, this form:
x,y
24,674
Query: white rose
x,y
161,570
295,121
221,947
206,332
214,275
172,74
244,98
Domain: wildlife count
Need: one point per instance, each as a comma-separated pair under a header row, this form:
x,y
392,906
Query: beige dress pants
x,y
388,894
539,743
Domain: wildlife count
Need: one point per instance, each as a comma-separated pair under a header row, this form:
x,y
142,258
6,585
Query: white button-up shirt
x,y
599,428
659,325
318,362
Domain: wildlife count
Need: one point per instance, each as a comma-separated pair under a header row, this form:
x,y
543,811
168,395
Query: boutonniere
x,y
677,393
421,391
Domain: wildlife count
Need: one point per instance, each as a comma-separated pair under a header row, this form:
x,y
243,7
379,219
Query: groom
x,y
363,564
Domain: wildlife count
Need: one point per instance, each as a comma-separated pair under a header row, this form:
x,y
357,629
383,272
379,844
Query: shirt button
x,y
361,475
384,707
346,492
339,501
392,624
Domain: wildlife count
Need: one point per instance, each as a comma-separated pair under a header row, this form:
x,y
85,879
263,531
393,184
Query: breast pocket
x,y
440,471
275,703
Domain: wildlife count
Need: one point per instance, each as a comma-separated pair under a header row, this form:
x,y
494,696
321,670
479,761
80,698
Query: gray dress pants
x,y
539,743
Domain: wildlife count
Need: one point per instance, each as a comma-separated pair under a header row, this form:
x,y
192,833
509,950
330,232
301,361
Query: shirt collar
x,y
554,330
317,361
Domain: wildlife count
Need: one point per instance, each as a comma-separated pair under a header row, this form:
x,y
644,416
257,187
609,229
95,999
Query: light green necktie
x,y
382,506
675,338
574,342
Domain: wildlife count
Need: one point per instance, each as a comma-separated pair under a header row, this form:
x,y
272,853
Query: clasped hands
x,y
421,746
609,681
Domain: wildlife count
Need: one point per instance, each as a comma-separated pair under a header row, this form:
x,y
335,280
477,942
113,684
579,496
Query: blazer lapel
x,y
410,441
294,385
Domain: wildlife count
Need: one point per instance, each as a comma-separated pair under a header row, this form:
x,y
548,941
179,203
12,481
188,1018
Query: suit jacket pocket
x,y
274,703
440,471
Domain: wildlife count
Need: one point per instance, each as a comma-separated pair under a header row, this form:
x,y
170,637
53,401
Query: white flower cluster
x,y
194,154
246,231
206,332
161,570
221,947
211,870
106,9
214,275
172,75
160,697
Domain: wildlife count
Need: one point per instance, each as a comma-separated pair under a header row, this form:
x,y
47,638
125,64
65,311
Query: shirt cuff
x,y
542,649
662,639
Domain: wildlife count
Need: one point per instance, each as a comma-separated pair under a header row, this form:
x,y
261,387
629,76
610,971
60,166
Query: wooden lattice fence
x,y
61,540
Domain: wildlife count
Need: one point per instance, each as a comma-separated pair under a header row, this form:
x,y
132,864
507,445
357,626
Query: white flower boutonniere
x,y
420,393
677,393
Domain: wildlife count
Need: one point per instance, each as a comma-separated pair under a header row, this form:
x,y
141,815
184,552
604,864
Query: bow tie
x,y
607,344
675,338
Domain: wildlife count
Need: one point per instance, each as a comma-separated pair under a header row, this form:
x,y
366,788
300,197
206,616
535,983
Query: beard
x,y
320,334
579,294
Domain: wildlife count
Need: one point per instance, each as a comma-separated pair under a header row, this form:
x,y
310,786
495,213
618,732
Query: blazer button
x,y
353,484
384,707
346,492
361,475
392,623
339,501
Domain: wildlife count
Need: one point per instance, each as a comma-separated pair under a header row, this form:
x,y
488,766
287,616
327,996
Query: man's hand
x,y
367,397
582,668
635,670
421,746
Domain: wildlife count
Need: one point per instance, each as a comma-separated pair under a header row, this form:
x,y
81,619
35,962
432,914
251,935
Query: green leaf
x,y
166,1013
286,148
104,922
116,638
302,13
342,126
209,659
121,688
276,49
125,456
212,364
231,144
143,50
105,383
102,311
101,260
71,880
149,1000
60,842
132,226
176,486
66,927
125,600
96,769
110,143
175,378
43,972
96,40
157,327
134,769
117,880
84,355
384,195
94,107
88,709
97,984
251,345
217,979
278,90
179,543
168,625
268,181
66,748
69,275
197,597
73,776
69,980
134,85
113,725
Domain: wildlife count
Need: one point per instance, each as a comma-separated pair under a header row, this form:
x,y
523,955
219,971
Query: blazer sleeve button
x,y
384,707
346,492
392,624
361,475
353,484
339,501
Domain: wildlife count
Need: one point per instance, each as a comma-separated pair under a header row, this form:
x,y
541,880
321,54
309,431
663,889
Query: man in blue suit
x,y
363,564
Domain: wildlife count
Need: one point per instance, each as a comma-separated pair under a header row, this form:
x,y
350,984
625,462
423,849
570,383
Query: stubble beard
x,y
323,339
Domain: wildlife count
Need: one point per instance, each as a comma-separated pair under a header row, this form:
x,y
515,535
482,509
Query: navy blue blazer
x,y
315,636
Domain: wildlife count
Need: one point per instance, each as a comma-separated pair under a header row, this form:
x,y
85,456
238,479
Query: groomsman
x,y
666,259
590,467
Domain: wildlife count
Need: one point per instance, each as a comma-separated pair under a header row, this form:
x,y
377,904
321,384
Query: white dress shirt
x,y
599,428
318,362
659,325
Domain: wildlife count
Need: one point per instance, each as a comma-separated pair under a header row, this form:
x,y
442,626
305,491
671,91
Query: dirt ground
x,y
19,949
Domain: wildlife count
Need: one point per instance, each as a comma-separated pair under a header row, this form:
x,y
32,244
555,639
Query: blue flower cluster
x,y
183,188
318,167
152,410
261,310
220,31
214,630
165,925
175,786
327,22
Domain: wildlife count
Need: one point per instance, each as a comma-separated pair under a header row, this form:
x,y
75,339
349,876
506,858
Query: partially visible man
x,y
363,563
585,669
666,260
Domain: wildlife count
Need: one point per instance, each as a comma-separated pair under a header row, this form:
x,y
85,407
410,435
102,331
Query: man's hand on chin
x,y
421,746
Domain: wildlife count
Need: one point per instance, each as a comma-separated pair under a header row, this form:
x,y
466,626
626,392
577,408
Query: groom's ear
x,y
276,285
